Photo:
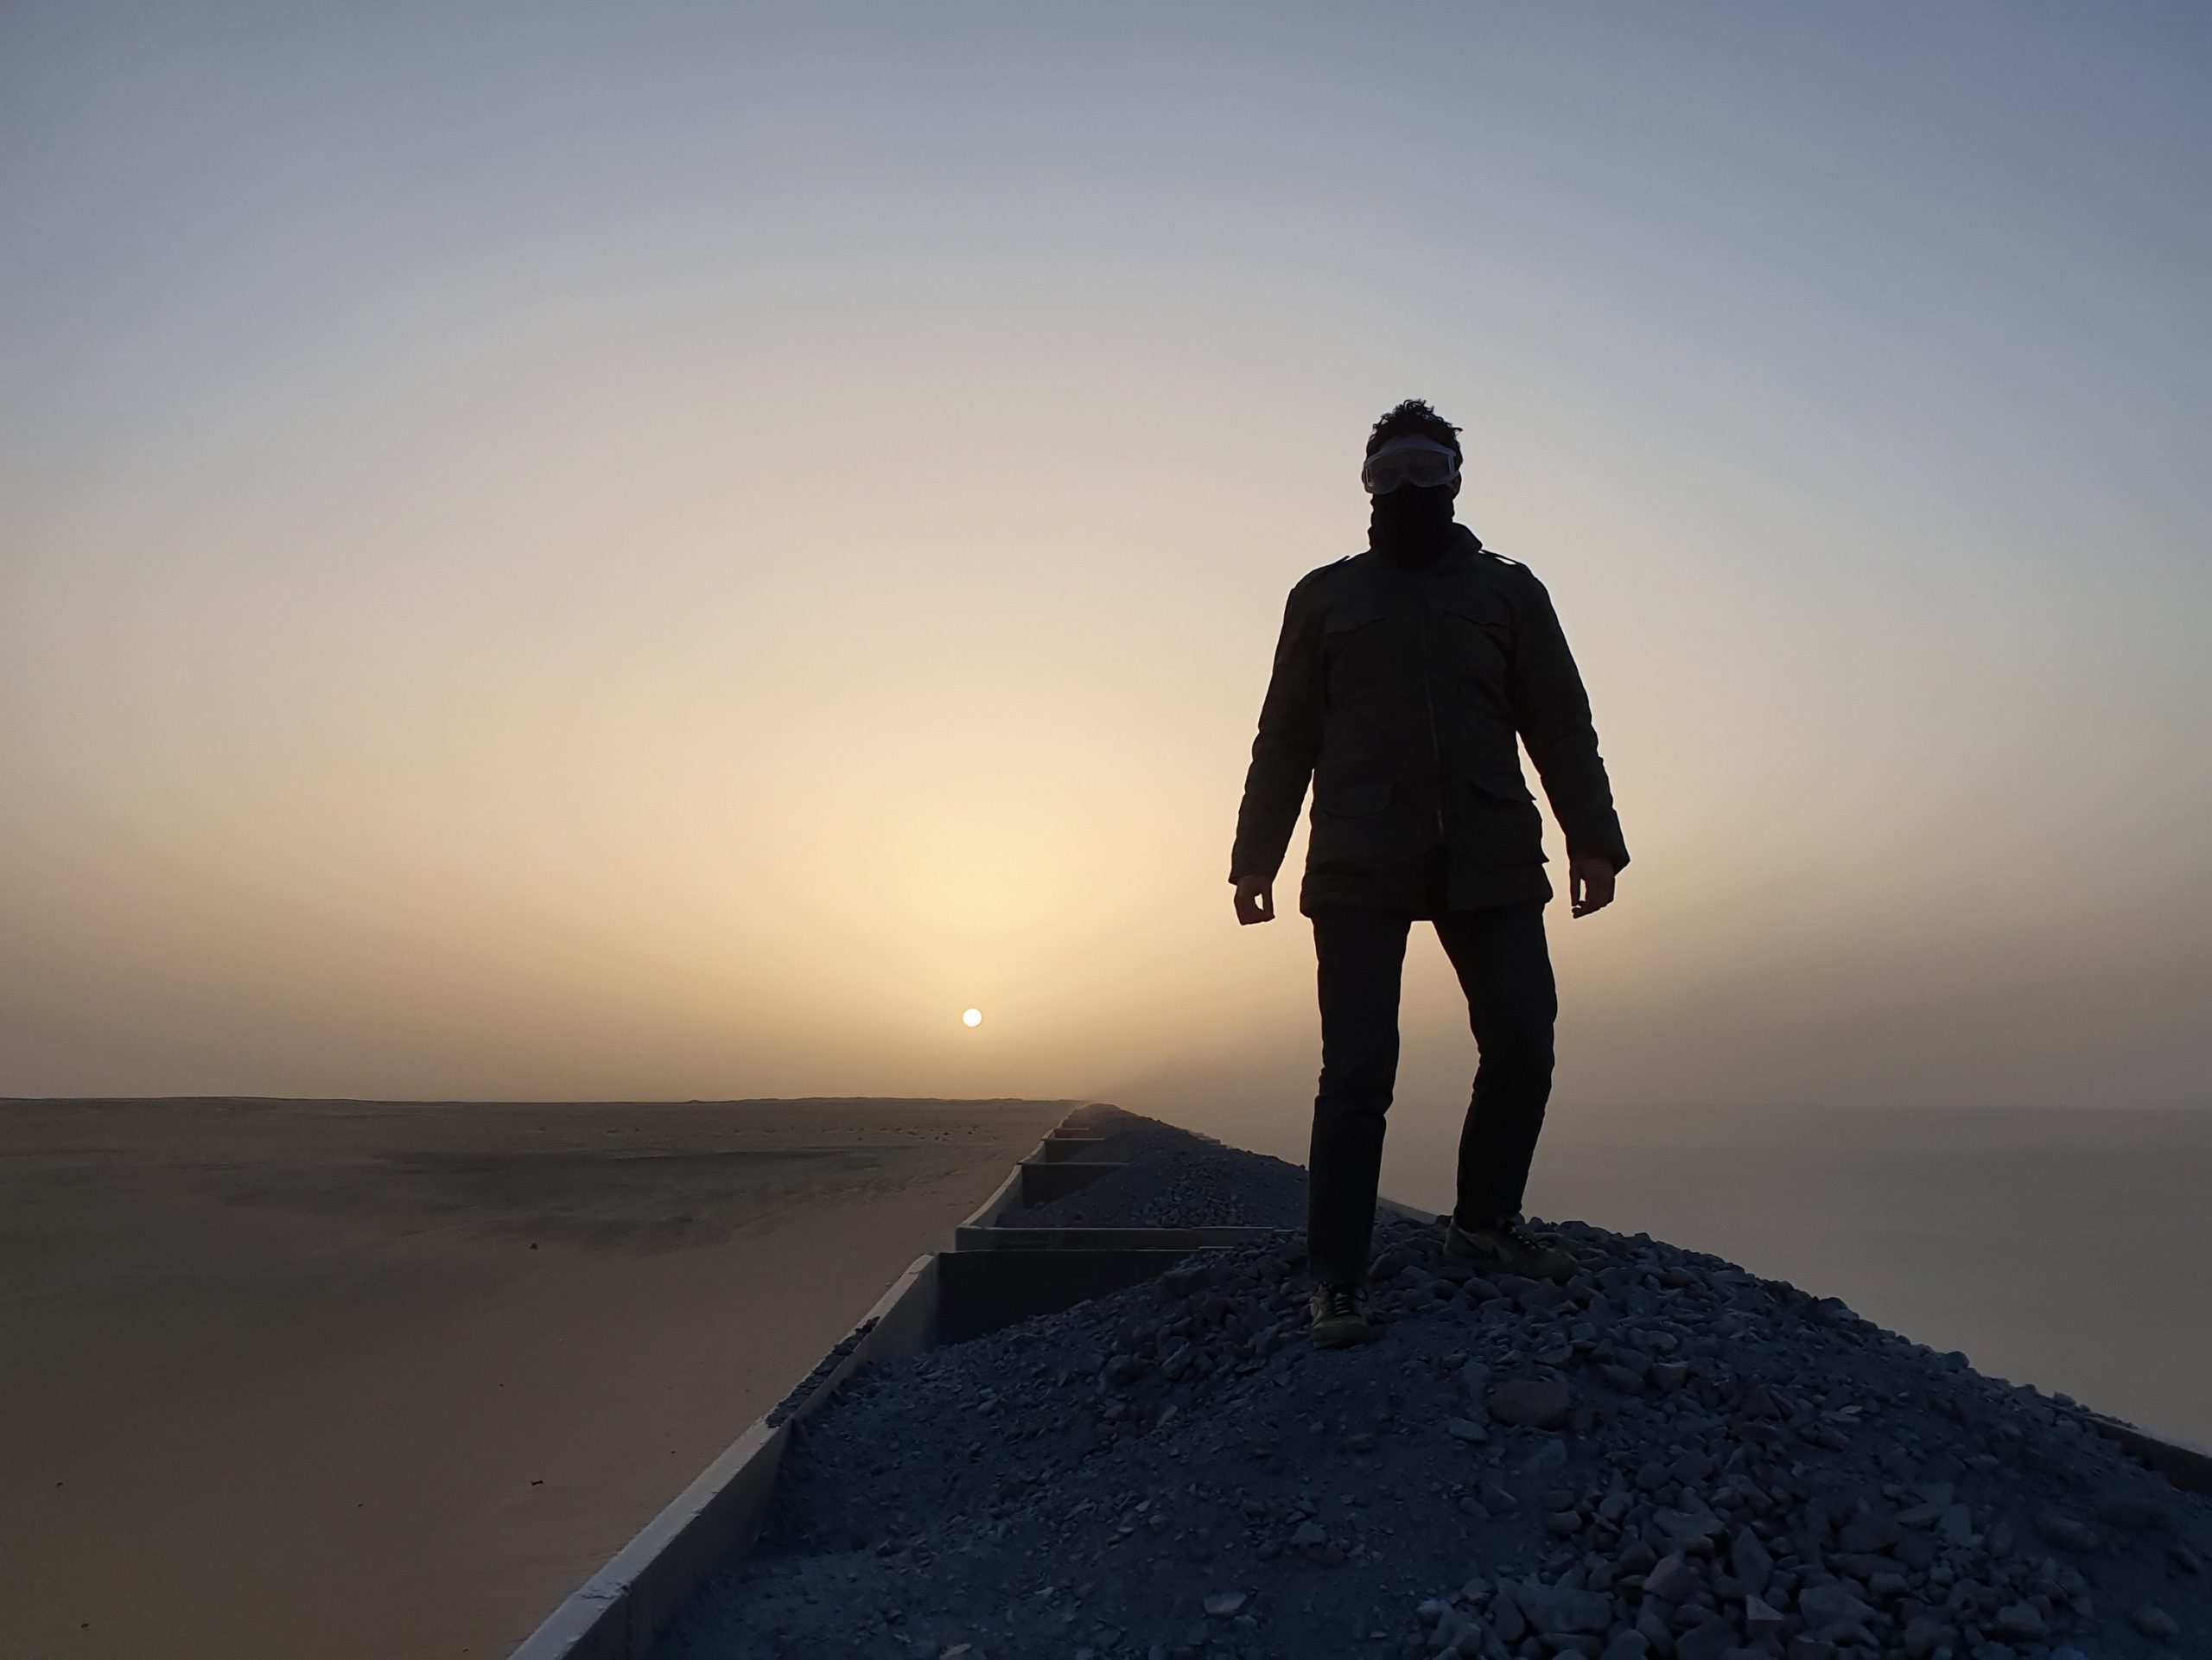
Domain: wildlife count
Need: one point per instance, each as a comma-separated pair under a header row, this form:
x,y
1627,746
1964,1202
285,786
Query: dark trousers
x,y
1505,969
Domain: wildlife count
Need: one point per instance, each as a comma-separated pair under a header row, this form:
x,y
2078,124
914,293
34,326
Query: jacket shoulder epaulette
x,y
1319,575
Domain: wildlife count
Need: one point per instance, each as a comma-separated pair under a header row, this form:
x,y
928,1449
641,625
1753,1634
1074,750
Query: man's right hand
x,y
1255,899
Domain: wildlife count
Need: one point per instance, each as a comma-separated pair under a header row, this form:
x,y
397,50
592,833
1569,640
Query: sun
x,y
971,1017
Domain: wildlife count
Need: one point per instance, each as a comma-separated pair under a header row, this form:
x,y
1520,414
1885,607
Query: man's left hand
x,y
1590,884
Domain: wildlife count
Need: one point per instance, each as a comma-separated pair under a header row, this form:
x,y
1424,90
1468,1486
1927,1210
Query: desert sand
x,y
358,1379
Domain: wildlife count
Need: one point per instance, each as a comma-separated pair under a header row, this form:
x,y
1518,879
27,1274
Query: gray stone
x,y
1451,1626
2154,1621
1708,1641
1560,1610
1223,1604
2065,1531
1465,1429
1830,1608
1672,1579
2021,1620
1695,1465
1551,1454
1868,1533
1752,1562
2132,1513
1530,1403
1761,1620
1505,1619
1185,1277
1630,1644
1686,1527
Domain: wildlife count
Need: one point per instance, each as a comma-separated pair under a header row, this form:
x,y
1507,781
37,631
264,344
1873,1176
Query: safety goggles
x,y
1422,462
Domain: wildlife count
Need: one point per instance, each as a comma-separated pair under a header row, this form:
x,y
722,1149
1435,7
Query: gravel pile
x,y
1666,1456
1176,1180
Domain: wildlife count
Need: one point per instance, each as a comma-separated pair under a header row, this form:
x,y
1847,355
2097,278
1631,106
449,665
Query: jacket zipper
x,y
1435,744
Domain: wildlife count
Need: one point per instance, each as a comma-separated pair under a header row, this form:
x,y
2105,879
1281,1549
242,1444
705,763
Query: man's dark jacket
x,y
1399,688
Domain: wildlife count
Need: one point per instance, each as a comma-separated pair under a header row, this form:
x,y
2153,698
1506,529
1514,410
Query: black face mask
x,y
1411,518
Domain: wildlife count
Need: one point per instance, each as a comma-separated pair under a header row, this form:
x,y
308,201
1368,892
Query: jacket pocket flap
x,y
1352,795
1508,787
1493,621
1345,618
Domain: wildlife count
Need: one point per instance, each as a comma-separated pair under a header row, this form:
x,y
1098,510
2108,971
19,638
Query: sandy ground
x,y
354,1379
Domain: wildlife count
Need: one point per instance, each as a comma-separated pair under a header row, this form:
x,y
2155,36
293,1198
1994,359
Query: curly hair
x,y
1414,418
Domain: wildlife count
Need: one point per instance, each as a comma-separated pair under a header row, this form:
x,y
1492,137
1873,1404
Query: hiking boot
x,y
1338,1316
1507,1246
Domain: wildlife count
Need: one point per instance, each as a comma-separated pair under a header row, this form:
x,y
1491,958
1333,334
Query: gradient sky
x,y
668,549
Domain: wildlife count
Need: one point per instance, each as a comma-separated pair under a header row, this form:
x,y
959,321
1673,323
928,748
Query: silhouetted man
x,y
1403,678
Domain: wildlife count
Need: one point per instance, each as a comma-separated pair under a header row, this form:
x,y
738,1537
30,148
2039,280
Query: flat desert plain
x,y
367,1379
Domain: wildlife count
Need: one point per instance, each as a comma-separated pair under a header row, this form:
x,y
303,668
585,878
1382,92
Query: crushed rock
x,y
1668,1458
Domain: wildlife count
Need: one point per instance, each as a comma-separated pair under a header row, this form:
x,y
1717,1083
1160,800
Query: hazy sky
x,y
666,550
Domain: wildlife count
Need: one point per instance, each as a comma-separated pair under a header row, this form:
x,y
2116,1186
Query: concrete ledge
x,y
1007,1196
973,1238
1042,1183
622,1610
2182,1463
997,1276
1061,1145
619,1612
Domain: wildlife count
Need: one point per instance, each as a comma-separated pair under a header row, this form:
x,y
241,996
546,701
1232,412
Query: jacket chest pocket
x,y
1358,645
1476,638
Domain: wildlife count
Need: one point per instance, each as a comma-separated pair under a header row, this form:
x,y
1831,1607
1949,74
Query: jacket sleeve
x,y
1552,713
1289,742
